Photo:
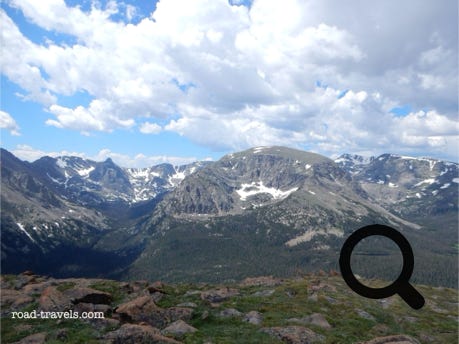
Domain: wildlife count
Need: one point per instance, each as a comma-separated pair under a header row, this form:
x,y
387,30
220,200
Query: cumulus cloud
x,y
7,122
28,153
150,128
229,76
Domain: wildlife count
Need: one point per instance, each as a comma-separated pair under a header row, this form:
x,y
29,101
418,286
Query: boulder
x,y
178,329
52,299
144,309
36,338
88,295
218,295
137,334
264,293
90,307
187,304
36,288
266,281
156,287
365,315
294,334
229,313
397,339
253,317
14,299
316,319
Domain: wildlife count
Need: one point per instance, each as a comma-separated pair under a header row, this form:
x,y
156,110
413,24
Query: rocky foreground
x,y
311,309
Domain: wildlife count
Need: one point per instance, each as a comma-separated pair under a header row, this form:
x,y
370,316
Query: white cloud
x,y
232,77
150,128
28,153
7,122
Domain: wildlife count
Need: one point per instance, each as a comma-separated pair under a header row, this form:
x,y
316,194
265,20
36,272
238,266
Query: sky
x,y
146,82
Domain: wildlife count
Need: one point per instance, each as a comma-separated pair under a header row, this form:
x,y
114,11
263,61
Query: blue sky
x,y
145,82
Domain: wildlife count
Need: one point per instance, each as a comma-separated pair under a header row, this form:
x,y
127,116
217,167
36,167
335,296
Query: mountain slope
x,y
269,210
407,186
266,210
36,221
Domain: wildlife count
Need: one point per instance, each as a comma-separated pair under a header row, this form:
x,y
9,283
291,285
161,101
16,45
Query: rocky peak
x,y
251,178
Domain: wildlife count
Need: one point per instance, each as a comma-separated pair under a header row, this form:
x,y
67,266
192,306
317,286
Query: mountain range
x,y
266,210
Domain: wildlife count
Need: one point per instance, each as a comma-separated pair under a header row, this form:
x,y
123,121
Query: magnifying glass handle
x,y
411,296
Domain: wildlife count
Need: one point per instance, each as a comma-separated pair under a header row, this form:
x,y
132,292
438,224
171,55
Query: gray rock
x,y
178,329
218,295
264,293
137,334
397,339
253,317
230,313
365,315
294,334
52,299
144,309
36,338
316,319
267,281
187,304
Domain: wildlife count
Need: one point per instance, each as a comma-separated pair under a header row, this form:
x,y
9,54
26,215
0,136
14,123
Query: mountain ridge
x,y
185,222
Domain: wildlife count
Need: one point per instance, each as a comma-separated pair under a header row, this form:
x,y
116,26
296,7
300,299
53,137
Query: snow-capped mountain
x,y
406,185
353,163
91,183
148,183
266,210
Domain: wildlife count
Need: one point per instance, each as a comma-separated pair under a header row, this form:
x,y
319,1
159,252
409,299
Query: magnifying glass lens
x,y
376,261
401,285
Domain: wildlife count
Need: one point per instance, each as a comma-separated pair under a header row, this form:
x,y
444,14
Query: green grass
x,y
77,331
111,287
65,286
291,299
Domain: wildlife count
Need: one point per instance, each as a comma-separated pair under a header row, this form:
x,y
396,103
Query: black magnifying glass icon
x,y
400,286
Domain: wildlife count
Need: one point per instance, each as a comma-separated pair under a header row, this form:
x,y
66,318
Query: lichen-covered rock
x,y
137,334
178,329
397,339
294,334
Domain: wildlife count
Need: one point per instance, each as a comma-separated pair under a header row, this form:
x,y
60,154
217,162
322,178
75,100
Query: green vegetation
x,y
352,318
65,286
64,331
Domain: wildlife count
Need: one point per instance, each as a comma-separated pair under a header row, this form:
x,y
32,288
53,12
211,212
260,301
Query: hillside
x,y
306,309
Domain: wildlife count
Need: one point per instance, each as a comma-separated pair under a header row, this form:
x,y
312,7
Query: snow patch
x,y
444,186
254,188
54,179
259,149
176,178
84,172
456,180
307,166
142,173
311,192
61,163
425,181
21,227
392,185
